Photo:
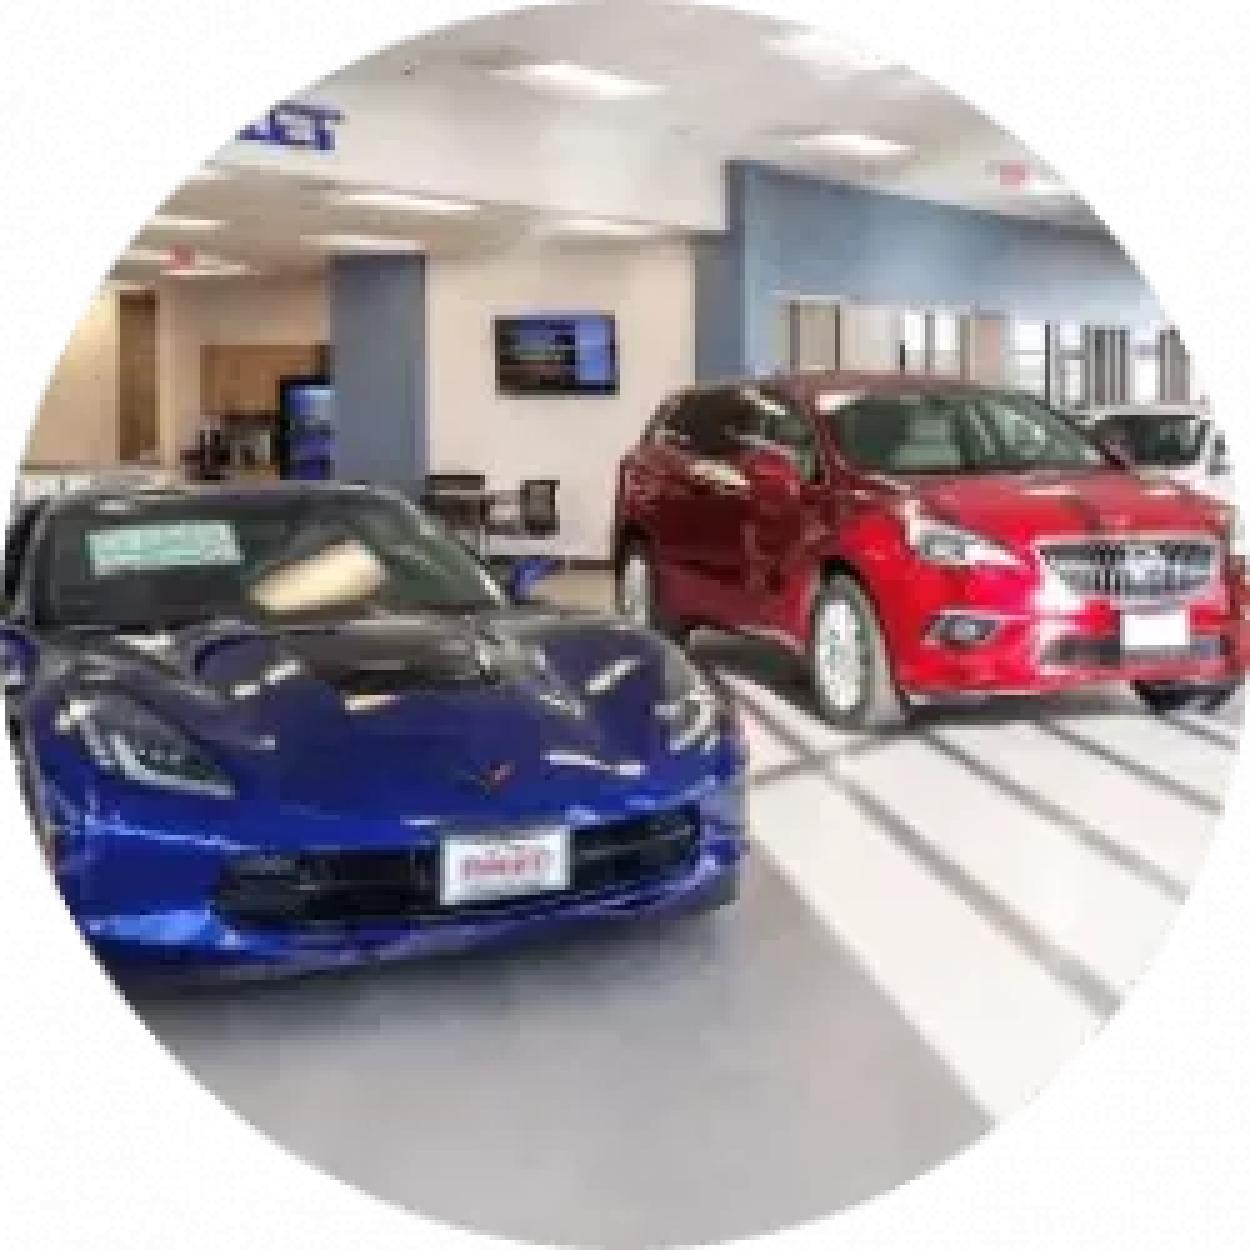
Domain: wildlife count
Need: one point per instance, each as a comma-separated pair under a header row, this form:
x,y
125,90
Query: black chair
x,y
537,514
443,495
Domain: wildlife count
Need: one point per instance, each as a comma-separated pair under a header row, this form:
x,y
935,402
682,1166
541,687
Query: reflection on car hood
x,y
390,717
1223,488
1023,507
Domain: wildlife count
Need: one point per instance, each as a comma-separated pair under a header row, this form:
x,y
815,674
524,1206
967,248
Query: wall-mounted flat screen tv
x,y
556,354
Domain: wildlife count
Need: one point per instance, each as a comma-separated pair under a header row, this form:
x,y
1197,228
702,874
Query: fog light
x,y
959,629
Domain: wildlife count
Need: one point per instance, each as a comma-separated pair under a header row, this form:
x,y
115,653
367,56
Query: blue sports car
x,y
280,728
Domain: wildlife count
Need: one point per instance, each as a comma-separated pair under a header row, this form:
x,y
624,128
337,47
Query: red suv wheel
x,y
848,661
637,593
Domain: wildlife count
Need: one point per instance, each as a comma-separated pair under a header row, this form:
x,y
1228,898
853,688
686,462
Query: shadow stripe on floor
x,y
1098,995
1207,733
1134,768
1059,818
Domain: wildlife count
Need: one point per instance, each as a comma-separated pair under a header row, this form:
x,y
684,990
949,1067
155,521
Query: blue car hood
x,y
403,716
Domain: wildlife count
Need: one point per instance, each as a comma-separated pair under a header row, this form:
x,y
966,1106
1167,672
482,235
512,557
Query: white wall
x,y
192,312
649,287
77,420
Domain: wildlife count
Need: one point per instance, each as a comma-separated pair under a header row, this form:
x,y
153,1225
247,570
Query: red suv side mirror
x,y
772,474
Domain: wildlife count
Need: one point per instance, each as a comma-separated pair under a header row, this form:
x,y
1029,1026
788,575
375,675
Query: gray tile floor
x,y
931,923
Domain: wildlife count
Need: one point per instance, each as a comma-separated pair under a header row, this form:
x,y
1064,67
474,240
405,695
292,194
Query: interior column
x,y
378,323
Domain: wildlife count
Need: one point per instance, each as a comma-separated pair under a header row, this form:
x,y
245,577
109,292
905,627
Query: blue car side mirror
x,y
526,573
19,654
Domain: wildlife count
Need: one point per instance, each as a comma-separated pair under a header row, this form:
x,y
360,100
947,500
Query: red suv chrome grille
x,y
1133,568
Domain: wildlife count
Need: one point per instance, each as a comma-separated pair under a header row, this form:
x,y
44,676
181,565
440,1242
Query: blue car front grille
x,y
323,888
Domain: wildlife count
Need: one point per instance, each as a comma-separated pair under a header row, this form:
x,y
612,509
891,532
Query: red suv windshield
x,y
955,432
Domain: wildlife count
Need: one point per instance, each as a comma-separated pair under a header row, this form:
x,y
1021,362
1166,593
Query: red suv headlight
x,y
939,542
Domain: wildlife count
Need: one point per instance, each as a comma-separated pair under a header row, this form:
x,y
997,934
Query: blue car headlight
x,y
125,738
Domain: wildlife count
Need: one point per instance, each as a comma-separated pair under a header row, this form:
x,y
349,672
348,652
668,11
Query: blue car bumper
x,y
182,926
200,943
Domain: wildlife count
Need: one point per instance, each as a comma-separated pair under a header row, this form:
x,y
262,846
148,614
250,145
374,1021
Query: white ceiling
x,y
727,94
732,95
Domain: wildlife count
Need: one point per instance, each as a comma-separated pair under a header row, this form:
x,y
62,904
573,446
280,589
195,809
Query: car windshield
x,y
1154,441
955,432
145,563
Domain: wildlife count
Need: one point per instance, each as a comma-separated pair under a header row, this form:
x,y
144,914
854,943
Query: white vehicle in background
x,y
1178,442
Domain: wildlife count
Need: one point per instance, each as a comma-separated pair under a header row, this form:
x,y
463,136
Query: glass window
x,y
1071,336
1027,358
696,426
1028,337
1071,381
1146,383
915,335
323,554
970,432
16,544
1029,374
947,345
723,422
670,421
1154,441
787,429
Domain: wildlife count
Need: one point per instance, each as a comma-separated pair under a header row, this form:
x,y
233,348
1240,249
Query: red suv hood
x,y
1023,507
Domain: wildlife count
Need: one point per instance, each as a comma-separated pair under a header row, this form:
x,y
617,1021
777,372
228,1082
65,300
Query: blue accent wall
x,y
377,316
796,235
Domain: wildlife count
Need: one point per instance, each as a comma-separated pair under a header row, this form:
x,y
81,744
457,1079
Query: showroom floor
x,y
930,924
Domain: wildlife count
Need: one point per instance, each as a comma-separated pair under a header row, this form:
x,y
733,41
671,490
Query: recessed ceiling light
x,y
196,264
565,78
1025,179
399,201
170,221
363,243
605,227
145,256
817,48
871,147
209,268
1042,185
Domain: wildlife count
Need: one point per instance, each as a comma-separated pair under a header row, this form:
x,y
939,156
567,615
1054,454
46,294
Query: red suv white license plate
x,y
1154,631
480,869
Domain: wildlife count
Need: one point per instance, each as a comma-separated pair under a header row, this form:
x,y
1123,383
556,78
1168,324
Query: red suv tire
x,y
848,662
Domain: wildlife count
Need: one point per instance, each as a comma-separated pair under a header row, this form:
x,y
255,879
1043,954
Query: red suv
x,y
913,539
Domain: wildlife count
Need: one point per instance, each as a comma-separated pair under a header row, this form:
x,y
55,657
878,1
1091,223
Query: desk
x,y
467,510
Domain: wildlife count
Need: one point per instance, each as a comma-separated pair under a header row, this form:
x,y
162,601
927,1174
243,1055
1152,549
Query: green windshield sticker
x,y
153,547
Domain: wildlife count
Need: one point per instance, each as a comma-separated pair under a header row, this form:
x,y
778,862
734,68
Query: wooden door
x,y
137,433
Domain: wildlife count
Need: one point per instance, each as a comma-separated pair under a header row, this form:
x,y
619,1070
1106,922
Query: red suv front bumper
x,y
954,631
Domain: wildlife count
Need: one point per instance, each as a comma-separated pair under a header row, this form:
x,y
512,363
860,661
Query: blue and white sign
x,y
294,124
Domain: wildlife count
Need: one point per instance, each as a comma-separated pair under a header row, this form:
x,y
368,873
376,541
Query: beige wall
x,y
77,420
648,287
192,312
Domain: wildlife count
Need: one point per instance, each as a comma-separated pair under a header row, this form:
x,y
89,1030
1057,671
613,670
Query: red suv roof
x,y
809,383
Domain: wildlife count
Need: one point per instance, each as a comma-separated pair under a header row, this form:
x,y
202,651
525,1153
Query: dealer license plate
x,y
1154,631
480,869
